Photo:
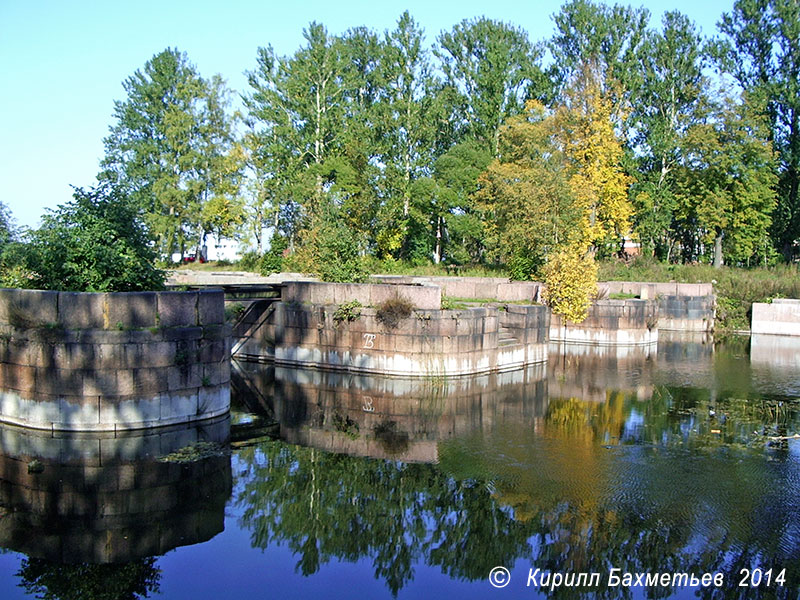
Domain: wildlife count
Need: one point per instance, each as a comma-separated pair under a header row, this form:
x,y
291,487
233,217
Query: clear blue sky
x,y
62,64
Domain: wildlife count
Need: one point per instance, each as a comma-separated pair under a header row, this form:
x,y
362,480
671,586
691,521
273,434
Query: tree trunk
x,y
718,262
437,253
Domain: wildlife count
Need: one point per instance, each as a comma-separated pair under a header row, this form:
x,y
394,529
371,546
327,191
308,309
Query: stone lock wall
x,y
681,306
113,361
429,342
611,322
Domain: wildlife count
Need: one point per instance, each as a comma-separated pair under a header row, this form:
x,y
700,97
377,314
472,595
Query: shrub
x,y
390,312
96,243
272,261
250,261
571,280
349,311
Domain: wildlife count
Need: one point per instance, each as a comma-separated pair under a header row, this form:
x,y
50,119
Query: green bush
x,y
250,261
96,243
349,311
272,261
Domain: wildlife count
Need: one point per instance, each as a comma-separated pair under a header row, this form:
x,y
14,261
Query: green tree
x,y
407,124
96,243
168,149
762,51
606,36
297,109
525,198
495,68
728,182
669,102
456,173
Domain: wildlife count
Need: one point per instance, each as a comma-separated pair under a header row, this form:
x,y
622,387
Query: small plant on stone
x,y
390,312
346,425
349,311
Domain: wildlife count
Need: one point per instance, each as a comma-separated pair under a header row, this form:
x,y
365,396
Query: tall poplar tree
x,y
670,100
168,149
495,67
762,51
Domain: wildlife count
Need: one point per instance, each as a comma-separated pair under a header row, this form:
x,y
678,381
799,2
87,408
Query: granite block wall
x,y
428,342
114,361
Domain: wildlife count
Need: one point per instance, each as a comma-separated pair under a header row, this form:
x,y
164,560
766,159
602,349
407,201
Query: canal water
x,y
607,473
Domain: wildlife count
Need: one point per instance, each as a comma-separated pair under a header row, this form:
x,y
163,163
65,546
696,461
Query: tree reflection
x,y
585,492
50,580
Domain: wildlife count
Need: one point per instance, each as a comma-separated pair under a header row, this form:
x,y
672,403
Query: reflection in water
x,y
678,462
90,509
401,419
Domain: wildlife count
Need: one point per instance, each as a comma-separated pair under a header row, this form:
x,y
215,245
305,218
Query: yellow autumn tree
x,y
585,130
557,193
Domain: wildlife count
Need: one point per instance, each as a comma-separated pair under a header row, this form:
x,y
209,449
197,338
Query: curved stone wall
x,y
113,361
427,343
611,323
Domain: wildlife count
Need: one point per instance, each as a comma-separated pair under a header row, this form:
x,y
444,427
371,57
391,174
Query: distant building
x,y
222,249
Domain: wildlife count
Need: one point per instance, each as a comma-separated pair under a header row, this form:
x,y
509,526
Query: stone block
x,y
131,310
177,309
213,400
97,382
215,374
68,382
178,406
212,351
79,414
183,334
184,377
211,307
458,287
130,413
19,377
28,308
159,354
79,310
432,345
667,289
484,288
76,356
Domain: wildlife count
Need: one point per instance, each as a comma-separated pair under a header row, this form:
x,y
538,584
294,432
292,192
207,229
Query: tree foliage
x,y
96,243
170,150
761,49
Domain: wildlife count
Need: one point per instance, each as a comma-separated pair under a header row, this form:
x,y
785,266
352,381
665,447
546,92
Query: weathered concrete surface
x,y
782,317
487,288
683,306
611,322
103,498
211,278
429,342
109,362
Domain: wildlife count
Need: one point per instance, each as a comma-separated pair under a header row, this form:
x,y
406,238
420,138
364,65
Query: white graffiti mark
x,y
369,340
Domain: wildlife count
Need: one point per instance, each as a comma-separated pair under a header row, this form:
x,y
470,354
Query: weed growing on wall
x,y
390,312
349,311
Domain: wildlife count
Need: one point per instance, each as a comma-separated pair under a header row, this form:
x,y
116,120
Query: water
x,y
678,461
